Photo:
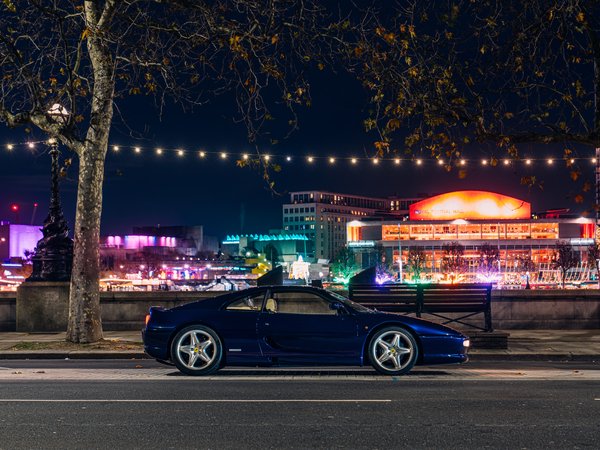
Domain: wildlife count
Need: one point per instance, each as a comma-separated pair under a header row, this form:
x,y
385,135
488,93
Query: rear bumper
x,y
156,343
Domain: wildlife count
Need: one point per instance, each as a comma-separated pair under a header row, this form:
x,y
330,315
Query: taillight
x,y
147,319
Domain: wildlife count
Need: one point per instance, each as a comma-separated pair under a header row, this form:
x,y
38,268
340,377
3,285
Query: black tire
x,y
197,350
393,351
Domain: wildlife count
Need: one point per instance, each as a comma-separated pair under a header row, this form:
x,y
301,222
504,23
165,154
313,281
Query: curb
x,y
73,355
548,357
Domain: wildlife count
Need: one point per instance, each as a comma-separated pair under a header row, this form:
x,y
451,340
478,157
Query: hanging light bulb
x,y
180,153
440,162
484,162
419,162
550,161
331,160
463,162
9,147
353,161
202,154
288,158
528,162
310,159
137,150
245,156
223,155
506,162
397,161
115,148
159,151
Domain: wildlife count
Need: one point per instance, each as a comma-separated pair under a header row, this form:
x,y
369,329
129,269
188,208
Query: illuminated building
x,y
472,219
322,217
15,240
281,247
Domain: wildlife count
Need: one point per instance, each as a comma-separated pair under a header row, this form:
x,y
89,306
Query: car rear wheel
x,y
197,350
393,351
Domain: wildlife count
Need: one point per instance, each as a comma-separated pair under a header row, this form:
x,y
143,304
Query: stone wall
x,y
546,309
8,311
511,309
127,310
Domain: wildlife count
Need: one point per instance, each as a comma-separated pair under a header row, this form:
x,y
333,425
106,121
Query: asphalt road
x,y
133,404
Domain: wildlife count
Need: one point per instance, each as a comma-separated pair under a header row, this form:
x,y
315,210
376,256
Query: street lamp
x,y
53,258
399,256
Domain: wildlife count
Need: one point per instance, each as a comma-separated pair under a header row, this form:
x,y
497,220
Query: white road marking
x,y
102,400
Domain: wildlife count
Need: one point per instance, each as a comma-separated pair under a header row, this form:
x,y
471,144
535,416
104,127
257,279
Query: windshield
x,y
355,306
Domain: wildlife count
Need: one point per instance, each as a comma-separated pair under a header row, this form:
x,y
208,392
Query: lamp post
x,y
399,256
53,258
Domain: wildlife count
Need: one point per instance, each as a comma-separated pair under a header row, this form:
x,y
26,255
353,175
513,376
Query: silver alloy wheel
x,y
393,350
196,349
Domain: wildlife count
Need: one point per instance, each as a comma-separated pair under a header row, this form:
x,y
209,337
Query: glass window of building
x,y
470,231
421,232
518,231
544,231
445,232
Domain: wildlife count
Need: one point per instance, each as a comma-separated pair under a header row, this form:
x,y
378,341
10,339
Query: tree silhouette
x,y
453,261
416,262
565,258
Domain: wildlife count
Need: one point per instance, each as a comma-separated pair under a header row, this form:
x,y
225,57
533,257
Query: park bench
x,y
463,301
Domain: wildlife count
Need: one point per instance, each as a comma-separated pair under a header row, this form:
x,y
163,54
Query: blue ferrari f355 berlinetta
x,y
290,325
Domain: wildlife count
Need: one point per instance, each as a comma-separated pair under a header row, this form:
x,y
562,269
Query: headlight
x,y
466,343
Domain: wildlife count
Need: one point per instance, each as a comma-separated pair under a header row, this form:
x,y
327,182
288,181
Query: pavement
x,y
535,345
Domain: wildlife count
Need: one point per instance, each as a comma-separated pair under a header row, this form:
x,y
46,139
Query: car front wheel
x,y
197,350
393,351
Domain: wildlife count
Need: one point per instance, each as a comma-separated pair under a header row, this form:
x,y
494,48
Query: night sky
x,y
148,190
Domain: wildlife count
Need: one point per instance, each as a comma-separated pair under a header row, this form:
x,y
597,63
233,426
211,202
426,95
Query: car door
x,y
298,325
239,327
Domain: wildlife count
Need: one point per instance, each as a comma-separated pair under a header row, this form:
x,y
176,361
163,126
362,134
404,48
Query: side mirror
x,y
337,306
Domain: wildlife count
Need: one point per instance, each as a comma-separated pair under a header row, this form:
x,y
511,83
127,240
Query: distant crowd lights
x,y
331,159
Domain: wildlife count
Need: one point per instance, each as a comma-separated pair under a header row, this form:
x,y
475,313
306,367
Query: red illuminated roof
x,y
470,205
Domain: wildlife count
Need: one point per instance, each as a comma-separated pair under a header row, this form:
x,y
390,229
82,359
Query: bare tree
x,y
565,258
489,255
593,257
88,56
416,262
343,265
453,261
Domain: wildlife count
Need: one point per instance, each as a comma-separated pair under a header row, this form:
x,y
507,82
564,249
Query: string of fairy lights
x,y
332,160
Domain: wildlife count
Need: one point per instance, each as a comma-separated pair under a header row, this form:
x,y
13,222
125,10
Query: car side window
x,y
291,302
247,303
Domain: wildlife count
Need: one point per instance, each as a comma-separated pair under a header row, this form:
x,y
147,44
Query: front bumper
x,y
444,349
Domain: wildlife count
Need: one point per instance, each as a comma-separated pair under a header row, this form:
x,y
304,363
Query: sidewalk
x,y
538,345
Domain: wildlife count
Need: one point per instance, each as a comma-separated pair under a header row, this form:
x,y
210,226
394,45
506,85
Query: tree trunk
x,y
85,324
